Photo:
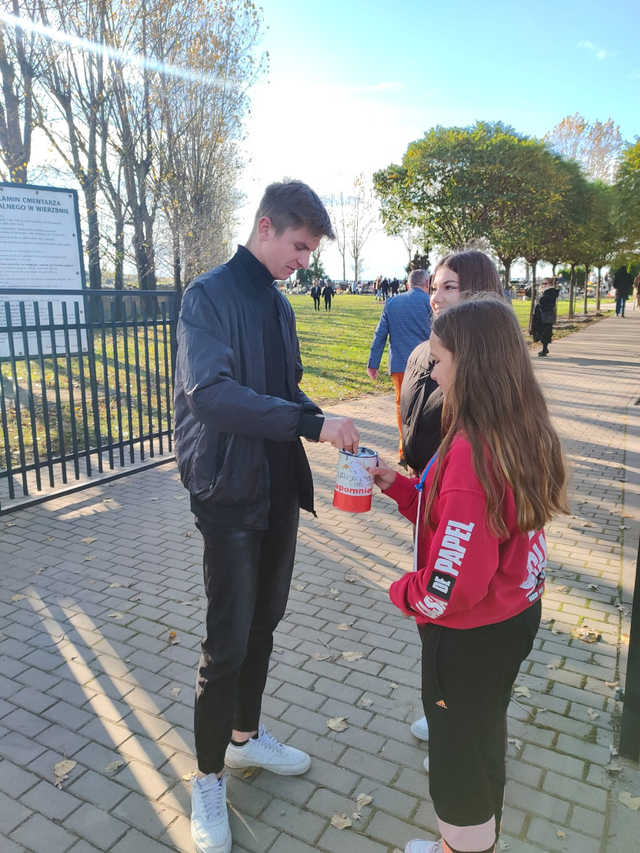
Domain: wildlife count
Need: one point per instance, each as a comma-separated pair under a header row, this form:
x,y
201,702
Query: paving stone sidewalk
x,y
101,606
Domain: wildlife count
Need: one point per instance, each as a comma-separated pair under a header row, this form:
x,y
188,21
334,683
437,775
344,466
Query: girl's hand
x,y
383,476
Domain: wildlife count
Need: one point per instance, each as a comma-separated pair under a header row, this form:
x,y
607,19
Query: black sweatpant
x,y
247,574
473,672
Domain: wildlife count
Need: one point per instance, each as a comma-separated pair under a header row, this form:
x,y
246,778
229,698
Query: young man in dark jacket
x,y
239,415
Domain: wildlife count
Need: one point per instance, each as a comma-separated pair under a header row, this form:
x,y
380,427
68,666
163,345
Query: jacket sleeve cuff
x,y
310,426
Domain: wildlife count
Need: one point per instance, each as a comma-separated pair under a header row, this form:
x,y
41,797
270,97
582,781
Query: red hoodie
x,y
466,576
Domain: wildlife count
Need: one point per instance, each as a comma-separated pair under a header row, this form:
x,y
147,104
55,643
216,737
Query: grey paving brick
x,y
96,825
136,842
97,789
286,844
149,817
14,780
11,814
297,822
335,841
50,801
37,829
19,749
545,833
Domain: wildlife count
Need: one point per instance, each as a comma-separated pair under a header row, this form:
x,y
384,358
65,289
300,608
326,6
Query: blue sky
x,y
350,84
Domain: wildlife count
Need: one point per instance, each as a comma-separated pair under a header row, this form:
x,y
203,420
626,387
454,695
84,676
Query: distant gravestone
x,y
40,248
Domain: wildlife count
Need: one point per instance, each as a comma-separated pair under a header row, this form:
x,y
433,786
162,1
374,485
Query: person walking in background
x,y
327,292
636,292
406,322
479,561
623,285
315,295
239,415
544,315
457,275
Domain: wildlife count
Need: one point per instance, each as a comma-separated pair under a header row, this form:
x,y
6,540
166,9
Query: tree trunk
x,y
586,289
506,263
534,265
572,283
177,266
598,291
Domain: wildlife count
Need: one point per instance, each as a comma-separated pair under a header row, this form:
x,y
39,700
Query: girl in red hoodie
x,y
479,561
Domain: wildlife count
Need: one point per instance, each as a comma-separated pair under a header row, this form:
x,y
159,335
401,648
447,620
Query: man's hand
x,y
373,373
341,432
383,476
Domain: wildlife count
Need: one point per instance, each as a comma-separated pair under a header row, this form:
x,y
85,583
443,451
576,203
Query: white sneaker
x,y
209,817
420,729
418,845
265,751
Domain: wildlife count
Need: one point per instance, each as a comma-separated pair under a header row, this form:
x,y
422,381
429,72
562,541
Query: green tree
x,y
444,185
627,202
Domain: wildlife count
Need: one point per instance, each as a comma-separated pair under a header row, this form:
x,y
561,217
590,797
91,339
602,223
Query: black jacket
x,y
222,413
421,425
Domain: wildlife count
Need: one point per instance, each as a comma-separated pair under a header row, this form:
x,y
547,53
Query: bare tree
x,y
362,218
74,88
21,58
339,207
596,146
200,125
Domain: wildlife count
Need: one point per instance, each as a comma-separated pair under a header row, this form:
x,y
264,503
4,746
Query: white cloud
x,y
600,53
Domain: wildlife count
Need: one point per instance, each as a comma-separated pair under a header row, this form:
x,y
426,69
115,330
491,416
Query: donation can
x,y
354,483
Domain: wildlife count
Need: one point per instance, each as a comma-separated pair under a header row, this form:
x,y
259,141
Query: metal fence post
x,y
630,734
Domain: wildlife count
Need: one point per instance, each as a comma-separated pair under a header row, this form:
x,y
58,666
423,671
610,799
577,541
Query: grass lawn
x,y
335,345
133,379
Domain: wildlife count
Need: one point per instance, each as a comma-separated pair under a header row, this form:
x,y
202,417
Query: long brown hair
x,y
495,400
476,271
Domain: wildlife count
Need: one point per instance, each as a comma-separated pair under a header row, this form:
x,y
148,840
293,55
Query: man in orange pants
x,y
406,321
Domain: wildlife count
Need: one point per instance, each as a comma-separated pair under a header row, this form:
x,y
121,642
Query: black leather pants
x,y
247,574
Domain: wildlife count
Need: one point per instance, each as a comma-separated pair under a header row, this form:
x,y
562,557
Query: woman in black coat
x,y
544,315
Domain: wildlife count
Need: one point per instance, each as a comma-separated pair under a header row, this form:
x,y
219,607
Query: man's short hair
x,y
418,278
293,204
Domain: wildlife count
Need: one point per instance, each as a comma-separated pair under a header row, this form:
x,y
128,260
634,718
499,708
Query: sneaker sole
x,y
279,769
218,849
419,733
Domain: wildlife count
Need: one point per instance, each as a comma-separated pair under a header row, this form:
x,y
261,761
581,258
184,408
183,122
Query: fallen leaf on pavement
x,y
116,615
351,656
587,635
337,724
343,626
521,690
611,684
363,800
322,655
173,638
112,766
62,770
175,691
561,834
350,578
593,715
341,821
18,596
88,540
515,742
630,802
365,702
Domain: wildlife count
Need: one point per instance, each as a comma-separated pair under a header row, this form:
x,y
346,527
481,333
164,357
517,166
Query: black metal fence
x,y
86,384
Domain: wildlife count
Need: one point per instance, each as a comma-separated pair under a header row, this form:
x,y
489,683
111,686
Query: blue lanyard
x,y
420,483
